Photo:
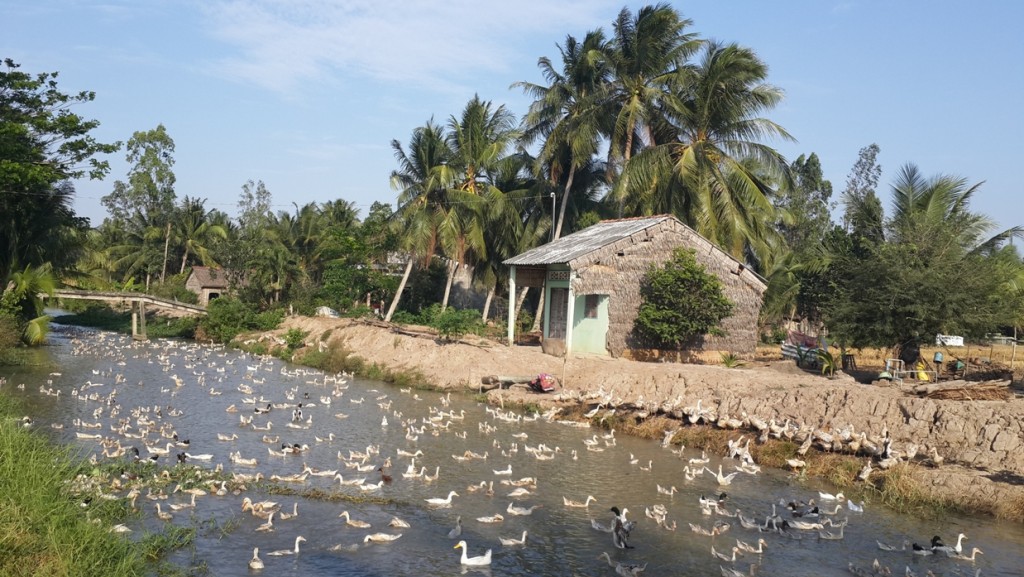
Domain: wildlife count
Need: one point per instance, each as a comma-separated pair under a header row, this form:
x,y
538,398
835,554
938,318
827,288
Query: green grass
x,y
44,527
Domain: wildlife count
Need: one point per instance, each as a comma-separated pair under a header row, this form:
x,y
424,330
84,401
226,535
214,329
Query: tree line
x,y
640,119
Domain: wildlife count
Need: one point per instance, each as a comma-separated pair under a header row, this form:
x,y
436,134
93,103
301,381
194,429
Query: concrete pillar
x,y
569,314
512,298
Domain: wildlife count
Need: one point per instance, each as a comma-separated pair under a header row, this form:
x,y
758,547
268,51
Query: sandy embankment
x,y
982,441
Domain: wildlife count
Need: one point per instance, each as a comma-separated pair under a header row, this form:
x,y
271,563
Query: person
x,y
937,359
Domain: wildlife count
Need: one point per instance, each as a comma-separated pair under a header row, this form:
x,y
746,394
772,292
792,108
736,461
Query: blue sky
x,y
307,95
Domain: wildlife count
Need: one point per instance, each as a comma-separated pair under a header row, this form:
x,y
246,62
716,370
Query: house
x,y
208,283
593,278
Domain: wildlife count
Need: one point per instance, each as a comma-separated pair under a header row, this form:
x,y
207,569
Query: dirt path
x,y
982,442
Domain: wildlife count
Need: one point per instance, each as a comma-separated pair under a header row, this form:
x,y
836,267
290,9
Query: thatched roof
x,y
579,244
210,277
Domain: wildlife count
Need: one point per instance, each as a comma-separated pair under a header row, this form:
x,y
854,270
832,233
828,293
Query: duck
x,y
939,547
962,557
396,522
477,561
384,477
621,528
830,497
723,556
295,513
670,491
352,522
255,563
854,507
381,537
442,502
623,569
268,526
919,550
294,551
513,510
748,548
722,479
571,503
511,541
496,518
457,529
163,515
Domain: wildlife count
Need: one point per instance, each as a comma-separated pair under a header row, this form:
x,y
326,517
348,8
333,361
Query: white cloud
x,y
281,45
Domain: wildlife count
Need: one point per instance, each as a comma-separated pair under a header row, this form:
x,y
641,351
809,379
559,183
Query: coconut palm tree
x,y
650,51
567,113
422,178
922,206
716,174
194,230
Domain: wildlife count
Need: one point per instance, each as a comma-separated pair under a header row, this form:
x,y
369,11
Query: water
x,y
560,539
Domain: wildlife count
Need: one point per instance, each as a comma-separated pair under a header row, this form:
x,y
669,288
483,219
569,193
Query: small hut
x,y
208,283
593,277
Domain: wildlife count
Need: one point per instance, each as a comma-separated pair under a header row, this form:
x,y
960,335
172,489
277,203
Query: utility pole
x,y
552,235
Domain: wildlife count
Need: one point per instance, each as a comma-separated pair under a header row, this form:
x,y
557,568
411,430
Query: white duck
x,y
510,542
354,522
294,551
513,510
439,502
477,561
255,563
571,503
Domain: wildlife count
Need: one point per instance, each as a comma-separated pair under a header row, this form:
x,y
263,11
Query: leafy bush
x,y
680,301
227,317
174,289
404,318
295,338
453,324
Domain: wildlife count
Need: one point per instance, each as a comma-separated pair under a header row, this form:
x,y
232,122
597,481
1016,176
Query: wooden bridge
x,y
138,303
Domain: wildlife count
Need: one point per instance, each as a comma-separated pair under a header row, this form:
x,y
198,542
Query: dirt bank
x,y
982,442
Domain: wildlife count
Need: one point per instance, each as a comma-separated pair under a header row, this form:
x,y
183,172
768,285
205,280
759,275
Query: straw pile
x,y
992,390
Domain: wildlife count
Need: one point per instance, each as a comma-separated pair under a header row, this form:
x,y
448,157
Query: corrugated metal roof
x,y
569,248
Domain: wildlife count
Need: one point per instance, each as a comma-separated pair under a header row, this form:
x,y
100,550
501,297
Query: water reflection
x,y
189,387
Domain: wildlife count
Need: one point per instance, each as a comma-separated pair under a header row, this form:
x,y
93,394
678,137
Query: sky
x,y
307,95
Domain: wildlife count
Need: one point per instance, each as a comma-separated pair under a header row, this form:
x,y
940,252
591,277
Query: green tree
x,y
422,179
680,301
935,270
567,114
43,145
716,175
195,230
804,207
148,192
863,210
649,51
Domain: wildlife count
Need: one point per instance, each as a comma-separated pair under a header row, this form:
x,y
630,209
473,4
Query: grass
x,y
43,529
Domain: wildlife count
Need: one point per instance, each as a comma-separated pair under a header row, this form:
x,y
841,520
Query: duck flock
x,y
300,420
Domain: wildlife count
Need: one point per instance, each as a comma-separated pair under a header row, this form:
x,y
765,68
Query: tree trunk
x,y
184,259
487,304
540,313
565,201
452,269
398,293
519,301
167,245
